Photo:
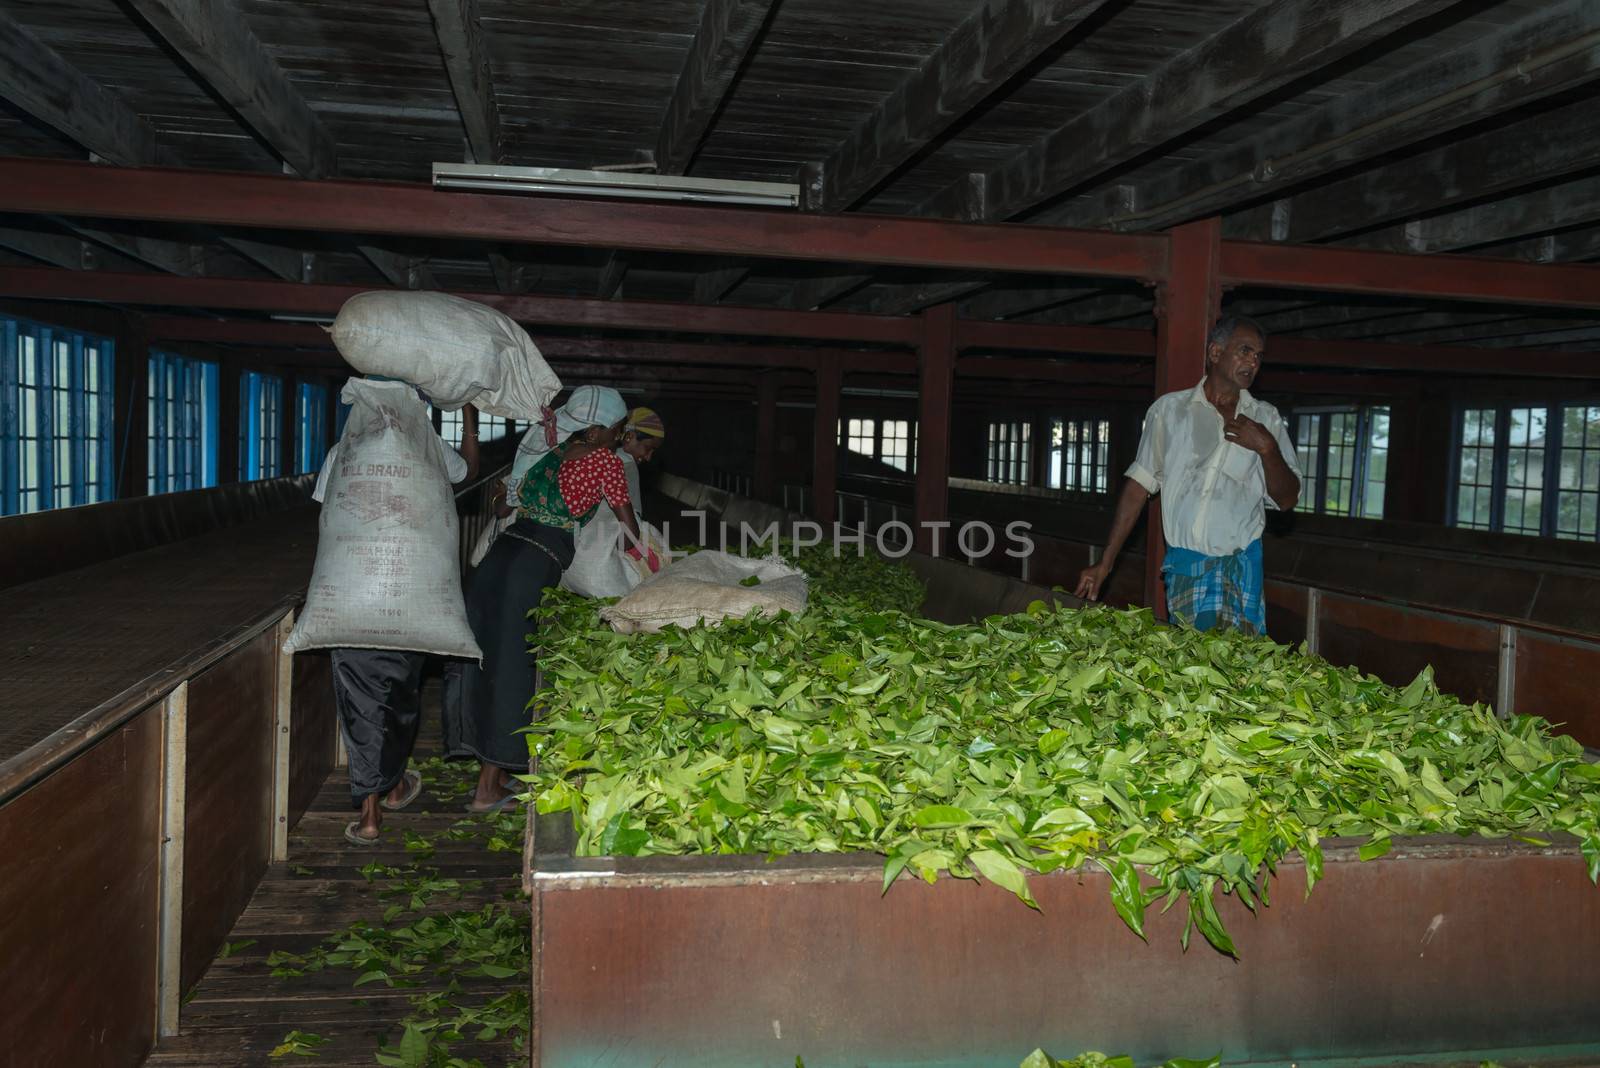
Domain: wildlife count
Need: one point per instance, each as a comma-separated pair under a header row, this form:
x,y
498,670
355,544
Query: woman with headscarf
x,y
563,484
641,436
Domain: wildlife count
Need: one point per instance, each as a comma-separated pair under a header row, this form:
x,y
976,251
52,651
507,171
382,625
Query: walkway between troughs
x,y
240,1012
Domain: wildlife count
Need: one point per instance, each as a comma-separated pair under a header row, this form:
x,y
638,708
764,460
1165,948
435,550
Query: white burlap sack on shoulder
x,y
706,588
456,351
386,575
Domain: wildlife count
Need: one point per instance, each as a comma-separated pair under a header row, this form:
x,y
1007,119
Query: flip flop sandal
x,y
353,835
509,799
413,782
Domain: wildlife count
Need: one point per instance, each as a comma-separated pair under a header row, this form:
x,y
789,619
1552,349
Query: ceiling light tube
x,y
496,178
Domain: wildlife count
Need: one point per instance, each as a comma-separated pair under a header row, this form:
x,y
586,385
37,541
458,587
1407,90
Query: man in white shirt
x,y
1219,458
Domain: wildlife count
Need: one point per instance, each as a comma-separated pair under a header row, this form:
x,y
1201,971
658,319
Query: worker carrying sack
x,y
455,351
387,572
599,566
709,587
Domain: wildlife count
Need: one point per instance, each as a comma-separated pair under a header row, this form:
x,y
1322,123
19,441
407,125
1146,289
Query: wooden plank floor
x,y
239,1012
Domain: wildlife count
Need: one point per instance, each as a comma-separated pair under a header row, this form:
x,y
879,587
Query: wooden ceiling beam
x,y
728,30
38,81
58,250
989,48
1543,149
507,274
459,31
285,263
1568,247
1001,304
216,41
466,61
711,286
1549,52
1244,61
816,293
174,257
1573,203
1251,57
612,273
415,210
402,272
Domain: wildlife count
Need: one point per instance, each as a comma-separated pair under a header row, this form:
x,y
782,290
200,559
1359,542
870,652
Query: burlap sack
x,y
456,351
706,588
386,575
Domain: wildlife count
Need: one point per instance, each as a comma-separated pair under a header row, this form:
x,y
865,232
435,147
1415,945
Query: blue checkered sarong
x,y
1208,592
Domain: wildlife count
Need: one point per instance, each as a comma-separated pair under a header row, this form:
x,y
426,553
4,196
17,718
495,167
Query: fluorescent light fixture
x,y
494,178
855,392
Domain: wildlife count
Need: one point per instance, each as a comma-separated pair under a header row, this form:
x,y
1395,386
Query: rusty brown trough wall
x,y
1439,948
78,906
135,840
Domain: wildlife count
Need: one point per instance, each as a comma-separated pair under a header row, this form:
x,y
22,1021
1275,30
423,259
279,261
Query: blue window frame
x,y
312,420
1528,468
260,426
490,427
56,400
1344,457
182,408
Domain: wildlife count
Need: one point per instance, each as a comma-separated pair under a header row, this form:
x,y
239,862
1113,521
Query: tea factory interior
x,y
889,271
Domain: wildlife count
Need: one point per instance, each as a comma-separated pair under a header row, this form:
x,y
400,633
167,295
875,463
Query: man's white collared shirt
x,y
1213,492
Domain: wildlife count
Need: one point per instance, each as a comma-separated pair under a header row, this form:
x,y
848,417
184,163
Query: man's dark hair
x,y
1223,332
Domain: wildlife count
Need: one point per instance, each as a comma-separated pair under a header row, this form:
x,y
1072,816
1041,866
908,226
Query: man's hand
x,y
1091,579
1242,430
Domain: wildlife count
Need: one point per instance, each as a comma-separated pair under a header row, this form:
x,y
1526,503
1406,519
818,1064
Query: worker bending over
x,y
1219,458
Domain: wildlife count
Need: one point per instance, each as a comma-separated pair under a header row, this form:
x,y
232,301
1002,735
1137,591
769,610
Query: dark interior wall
x,y
705,436
796,426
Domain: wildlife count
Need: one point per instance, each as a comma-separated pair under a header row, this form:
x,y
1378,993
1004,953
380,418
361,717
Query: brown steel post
x,y
936,368
1421,432
1187,303
766,435
825,440
289,420
131,423
227,422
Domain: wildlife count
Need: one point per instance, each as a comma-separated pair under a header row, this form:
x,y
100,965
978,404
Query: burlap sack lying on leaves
x,y
705,588
456,351
387,575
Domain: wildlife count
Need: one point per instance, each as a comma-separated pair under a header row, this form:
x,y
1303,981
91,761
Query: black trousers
x,y
379,696
485,708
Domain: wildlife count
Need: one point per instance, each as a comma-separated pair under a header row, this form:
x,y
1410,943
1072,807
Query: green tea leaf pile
x,y
1020,744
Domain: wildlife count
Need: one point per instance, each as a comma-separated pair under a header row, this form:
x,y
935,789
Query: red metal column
x,y
936,367
227,422
825,441
766,434
1187,303
131,421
